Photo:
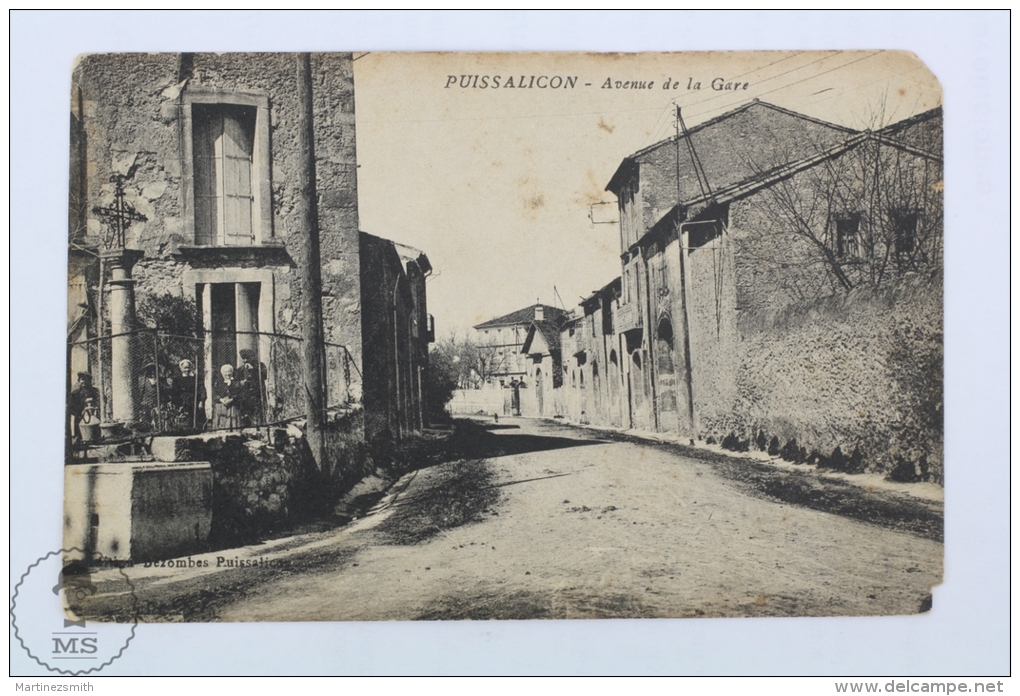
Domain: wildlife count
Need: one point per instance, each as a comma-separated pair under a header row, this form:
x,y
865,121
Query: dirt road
x,y
546,521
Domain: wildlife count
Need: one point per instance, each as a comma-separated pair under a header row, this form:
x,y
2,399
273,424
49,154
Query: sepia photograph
x,y
509,358
505,336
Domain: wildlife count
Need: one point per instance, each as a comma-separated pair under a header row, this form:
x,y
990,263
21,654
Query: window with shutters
x,y
227,194
905,223
223,148
845,237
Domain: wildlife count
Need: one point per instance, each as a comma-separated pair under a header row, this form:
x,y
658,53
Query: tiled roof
x,y
523,317
610,289
774,136
550,331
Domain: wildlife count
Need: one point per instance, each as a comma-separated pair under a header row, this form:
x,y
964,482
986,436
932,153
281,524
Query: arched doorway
x,y
539,390
584,394
637,391
665,374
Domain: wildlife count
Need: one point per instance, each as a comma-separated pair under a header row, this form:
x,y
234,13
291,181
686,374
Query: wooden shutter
x,y
223,146
206,126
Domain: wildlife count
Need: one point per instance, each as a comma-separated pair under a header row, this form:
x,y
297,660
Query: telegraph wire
x,y
504,117
600,112
868,84
768,65
796,82
508,118
830,54
659,125
766,79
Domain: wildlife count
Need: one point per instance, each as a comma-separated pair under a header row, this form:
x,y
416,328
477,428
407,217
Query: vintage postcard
x,y
385,336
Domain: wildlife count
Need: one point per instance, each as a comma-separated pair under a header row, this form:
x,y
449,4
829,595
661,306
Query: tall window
x,y
845,238
227,195
906,231
223,148
629,214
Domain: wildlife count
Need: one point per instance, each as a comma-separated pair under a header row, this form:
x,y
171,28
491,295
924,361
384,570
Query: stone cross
x,y
118,217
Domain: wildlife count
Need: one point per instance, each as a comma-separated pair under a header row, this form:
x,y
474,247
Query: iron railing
x,y
147,382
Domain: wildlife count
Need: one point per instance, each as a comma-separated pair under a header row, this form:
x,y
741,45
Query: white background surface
x,y
968,631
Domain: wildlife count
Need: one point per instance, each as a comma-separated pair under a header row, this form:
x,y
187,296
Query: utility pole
x,y
309,267
688,372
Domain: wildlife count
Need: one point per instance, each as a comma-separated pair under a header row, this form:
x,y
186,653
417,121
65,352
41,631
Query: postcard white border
x,y
969,630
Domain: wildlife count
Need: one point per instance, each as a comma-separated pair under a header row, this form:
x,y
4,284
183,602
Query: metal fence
x,y
147,382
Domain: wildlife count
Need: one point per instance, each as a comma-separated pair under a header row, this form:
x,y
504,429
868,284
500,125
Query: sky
x,y
497,185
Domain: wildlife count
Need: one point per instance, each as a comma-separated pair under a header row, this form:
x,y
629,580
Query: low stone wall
x,y
470,401
858,372
346,451
266,479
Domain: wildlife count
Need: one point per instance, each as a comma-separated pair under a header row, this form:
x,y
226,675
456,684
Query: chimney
x,y
539,312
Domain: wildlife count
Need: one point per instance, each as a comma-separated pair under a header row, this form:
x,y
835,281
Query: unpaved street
x,y
546,521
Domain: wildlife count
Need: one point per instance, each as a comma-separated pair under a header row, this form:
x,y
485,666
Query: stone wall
x,y
784,348
137,511
346,452
814,317
860,371
380,270
712,318
265,480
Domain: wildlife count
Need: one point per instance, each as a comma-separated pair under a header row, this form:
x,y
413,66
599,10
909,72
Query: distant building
x,y
500,341
594,380
544,365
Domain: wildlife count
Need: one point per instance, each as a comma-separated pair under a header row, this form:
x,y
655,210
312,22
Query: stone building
x,y
214,219
781,285
595,383
652,319
397,331
206,147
